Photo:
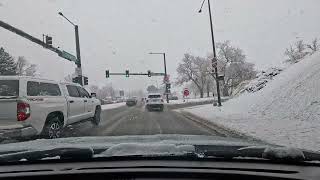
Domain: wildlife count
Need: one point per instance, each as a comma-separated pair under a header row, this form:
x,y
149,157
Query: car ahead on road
x,y
154,101
31,106
131,102
173,98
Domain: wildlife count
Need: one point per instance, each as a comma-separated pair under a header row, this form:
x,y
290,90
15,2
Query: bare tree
x,y
314,46
193,69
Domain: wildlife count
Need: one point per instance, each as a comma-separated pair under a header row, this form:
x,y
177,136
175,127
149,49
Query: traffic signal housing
x,y
168,87
127,73
149,73
49,40
86,81
107,74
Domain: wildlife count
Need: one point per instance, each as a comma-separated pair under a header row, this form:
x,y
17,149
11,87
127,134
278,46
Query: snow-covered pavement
x,y
112,106
285,112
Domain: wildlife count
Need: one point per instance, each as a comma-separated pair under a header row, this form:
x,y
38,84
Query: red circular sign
x,y
186,92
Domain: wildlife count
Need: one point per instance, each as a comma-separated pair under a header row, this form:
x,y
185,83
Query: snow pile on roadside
x,y
285,112
112,106
189,100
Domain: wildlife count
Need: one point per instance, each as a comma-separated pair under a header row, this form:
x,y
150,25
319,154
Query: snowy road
x,y
138,121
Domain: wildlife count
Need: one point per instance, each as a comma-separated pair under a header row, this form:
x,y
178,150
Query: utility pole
x,y
214,61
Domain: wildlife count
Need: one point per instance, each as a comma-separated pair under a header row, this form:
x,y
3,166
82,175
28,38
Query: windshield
x,y
9,87
140,72
154,96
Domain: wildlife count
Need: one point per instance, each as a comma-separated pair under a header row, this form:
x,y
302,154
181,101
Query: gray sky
x,y
119,34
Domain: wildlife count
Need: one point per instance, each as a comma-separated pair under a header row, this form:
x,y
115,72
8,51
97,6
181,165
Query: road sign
x,y
166,79
186,92
68,56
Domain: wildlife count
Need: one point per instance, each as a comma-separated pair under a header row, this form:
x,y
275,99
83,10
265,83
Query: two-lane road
x,y
137,120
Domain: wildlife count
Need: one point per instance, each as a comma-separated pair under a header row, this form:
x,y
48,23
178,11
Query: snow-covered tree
x,y
24,68
193,69
7,64
152,89
297,52
233,66
314,46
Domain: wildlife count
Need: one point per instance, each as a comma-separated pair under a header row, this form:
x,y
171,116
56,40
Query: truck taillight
x,y
23,111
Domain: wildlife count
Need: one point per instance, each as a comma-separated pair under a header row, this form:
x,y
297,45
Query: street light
x,y
214,60
165,70
76,29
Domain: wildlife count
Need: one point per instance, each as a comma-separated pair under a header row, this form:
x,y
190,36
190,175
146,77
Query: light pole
x,y
76,30
165,71
214,60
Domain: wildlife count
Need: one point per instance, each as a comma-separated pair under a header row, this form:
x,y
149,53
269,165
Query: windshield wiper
x,y
63,153
274,153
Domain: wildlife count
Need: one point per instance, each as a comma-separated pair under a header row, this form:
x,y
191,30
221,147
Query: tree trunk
x,y
208,90
201,93
225,91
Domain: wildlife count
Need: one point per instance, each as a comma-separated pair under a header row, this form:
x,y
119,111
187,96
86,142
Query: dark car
x,y
131,102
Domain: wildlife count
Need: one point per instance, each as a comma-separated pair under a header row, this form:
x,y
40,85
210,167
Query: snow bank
x,y
189,100
180,101
285,112
112,106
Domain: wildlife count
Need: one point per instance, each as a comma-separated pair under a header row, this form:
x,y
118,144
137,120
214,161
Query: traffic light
x,y
49,40
168,87
86,81
107,74
149,73
127,73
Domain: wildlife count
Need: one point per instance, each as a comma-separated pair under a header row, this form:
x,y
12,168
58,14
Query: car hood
x,y
174,143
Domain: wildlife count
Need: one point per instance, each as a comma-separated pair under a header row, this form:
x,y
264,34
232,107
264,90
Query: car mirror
x,y
93,94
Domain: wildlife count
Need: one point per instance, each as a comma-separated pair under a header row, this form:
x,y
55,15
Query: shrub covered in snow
x,y
262,79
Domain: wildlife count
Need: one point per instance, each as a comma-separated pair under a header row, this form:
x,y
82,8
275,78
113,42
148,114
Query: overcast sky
x,y
119,34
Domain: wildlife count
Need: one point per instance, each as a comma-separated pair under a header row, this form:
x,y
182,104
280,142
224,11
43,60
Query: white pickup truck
x,y
31,106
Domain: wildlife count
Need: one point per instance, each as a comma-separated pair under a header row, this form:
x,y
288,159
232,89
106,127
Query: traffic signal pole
x,y
76,29
29,37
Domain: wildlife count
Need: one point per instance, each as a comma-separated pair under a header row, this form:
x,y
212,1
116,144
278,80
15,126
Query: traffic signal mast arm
x,y
138,74
33,39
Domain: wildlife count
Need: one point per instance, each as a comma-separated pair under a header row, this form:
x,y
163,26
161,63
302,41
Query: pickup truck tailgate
x,y
8,112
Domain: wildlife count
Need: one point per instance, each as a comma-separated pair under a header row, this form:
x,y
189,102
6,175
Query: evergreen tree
x,y
7,64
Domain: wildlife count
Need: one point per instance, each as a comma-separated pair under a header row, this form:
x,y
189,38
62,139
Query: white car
x,y
31,106
154,101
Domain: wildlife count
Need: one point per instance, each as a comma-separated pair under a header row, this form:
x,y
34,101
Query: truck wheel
x,y
53,128
97,116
